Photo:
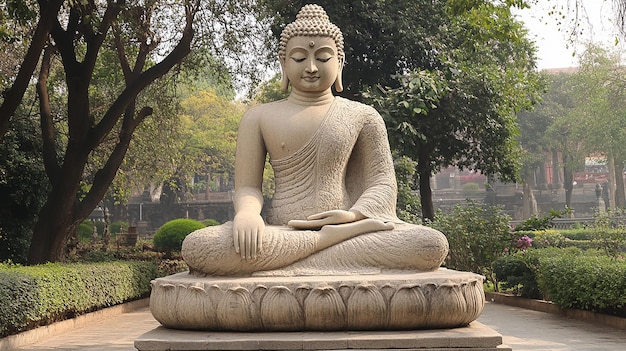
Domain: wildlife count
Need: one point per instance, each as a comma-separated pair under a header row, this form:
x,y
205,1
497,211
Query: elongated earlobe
x,y
339,79
284,82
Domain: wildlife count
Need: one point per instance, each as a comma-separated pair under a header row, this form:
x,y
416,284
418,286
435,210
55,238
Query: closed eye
x,y
297,59
324,59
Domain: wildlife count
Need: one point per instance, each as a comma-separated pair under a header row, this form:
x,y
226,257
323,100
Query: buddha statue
x,y
329,252
333,208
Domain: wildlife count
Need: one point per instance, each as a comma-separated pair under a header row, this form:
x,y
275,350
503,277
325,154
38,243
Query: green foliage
x,y
540,223
470,188
23,187
571,278
270,91
36,295
478,235
609,234
85,230
170,236
210,222
408,204
117,226
459,108
591,281
517,272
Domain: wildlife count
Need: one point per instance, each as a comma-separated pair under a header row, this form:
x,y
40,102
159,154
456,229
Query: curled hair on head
x,y
311,21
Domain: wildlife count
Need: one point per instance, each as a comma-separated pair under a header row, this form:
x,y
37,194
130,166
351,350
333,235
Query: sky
x,y
555,47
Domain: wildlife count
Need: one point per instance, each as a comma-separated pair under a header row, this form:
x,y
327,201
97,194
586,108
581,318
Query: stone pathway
x,y
522,330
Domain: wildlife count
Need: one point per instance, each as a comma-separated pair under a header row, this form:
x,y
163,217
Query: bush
x,y
592,281
541,223
37,295
210,222
116,227
85,231
518,272
170,236
470,189
478,235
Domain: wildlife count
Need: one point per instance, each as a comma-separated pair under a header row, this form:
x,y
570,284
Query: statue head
x,y
311,21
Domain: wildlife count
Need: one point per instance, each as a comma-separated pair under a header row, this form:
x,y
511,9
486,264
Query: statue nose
x,y
311,67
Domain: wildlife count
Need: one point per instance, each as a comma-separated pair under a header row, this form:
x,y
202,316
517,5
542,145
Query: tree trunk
x,y
424,172
568,179
620,196
612,183
528,200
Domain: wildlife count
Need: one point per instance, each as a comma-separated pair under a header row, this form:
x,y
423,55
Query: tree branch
x,y
95,43
104,176
128,95
50,161
13,96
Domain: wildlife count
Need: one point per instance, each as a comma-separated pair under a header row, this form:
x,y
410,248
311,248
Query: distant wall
x,y
153,214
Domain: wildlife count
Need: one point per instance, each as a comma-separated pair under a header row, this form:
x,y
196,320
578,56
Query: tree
x,y
381,38
560,135
209,123
148,39
462,112
600,114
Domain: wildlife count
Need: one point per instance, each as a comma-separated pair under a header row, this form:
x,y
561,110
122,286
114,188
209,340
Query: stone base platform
x,y
475,337
397,300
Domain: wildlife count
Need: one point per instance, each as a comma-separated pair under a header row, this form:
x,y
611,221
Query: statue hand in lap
x,y
248,231
319,220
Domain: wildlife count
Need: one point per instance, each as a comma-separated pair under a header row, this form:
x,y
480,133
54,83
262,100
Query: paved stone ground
x,y
522,330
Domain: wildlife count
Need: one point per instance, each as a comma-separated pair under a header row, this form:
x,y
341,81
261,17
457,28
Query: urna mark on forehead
x,y
311,21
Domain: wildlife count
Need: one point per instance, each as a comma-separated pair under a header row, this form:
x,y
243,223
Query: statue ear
x,y
284,82
339,80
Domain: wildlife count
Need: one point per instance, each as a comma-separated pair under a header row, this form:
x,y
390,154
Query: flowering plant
x,y
524,242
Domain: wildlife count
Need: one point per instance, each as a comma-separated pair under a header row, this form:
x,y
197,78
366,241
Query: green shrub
x,y
210,222
37,295
116,227
478,235
540,223
85,231
170,236
470,189
591,281
518,272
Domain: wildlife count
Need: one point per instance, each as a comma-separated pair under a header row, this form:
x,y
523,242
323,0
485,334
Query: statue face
x,y
311,63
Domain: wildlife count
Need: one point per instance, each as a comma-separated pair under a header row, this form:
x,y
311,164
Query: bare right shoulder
x,y
264,109
259,114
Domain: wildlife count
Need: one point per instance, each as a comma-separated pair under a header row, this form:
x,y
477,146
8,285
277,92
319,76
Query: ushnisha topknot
x,y
311,21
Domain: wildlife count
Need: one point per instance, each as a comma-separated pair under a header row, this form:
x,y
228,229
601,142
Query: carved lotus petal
x,y
280,310
324,310
475,298
408,308
194,306
449,302
237,311
367,308
161,303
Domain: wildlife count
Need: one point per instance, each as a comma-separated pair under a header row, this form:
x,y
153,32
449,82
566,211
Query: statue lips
x,y
310,78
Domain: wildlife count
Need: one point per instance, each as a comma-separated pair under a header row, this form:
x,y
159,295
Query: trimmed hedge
x,y
170,236
588,282
31,296
570,277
